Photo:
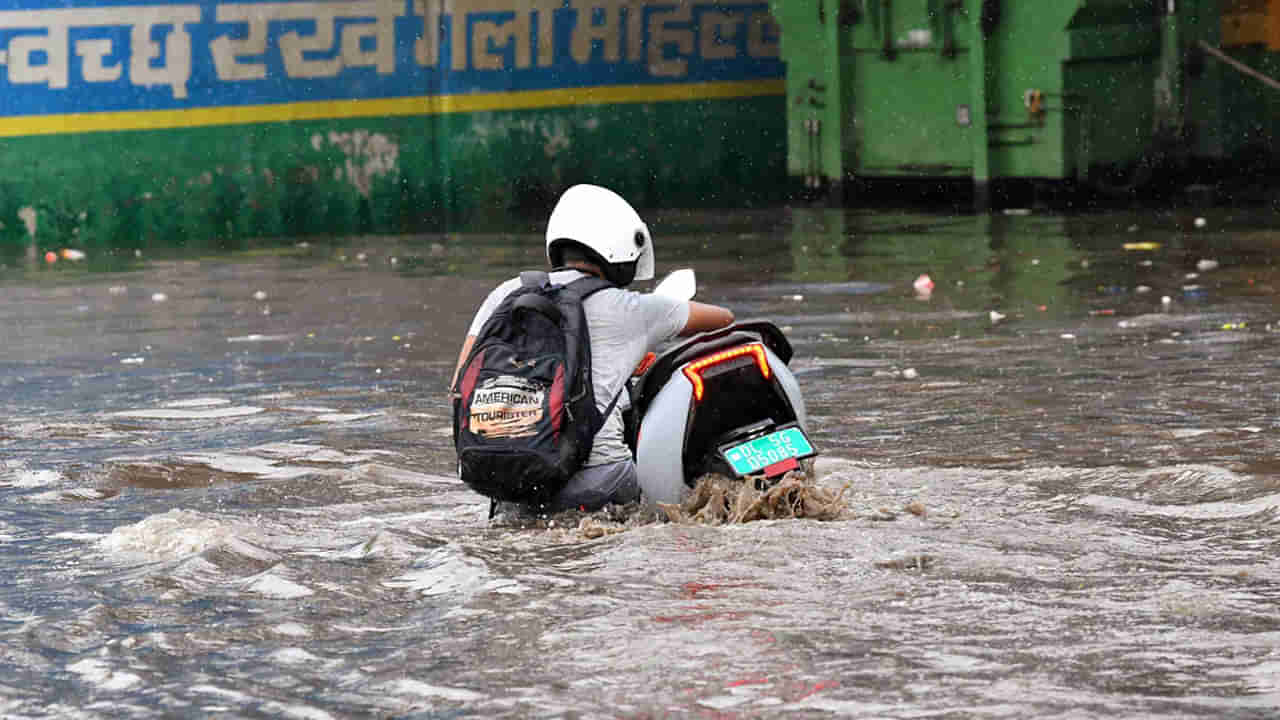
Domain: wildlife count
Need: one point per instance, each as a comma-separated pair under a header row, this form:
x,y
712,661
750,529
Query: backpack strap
x,y
584,287
535,279
612,403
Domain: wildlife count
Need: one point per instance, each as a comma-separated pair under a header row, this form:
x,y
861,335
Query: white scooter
x,y
722,401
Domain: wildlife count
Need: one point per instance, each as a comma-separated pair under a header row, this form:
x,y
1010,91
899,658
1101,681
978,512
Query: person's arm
x,y
462,356
704,317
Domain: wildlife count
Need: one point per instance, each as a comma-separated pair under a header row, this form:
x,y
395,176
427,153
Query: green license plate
x,y
758,454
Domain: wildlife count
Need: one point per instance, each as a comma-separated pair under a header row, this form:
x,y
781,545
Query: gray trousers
x,y
590,489
594,487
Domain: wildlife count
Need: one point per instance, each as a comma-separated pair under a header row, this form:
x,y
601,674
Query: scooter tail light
x,y
694,370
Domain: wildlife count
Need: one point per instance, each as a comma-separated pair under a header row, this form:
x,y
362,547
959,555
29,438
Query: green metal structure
x,y
1091,91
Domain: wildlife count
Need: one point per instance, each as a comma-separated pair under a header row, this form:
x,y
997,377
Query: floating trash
x,y
1141,246
260,295
255,337
1207,265
913,562
159,297
719,500
1201,222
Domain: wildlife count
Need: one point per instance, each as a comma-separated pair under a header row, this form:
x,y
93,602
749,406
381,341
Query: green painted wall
x,y
232,185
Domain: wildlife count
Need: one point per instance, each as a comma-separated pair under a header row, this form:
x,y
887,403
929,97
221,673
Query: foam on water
x,y
344,417
175,534
222,413
100,674
203,402
272,584
1198,511
300,712
77,494
416,688
293,656
251,465
23,477
314,453
293,629
448,572
220,692
382,546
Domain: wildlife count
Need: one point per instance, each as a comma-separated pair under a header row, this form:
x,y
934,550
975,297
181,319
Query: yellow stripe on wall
x,y
389,107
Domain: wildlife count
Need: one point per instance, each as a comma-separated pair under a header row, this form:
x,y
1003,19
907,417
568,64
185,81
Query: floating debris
x,y
1207,265
1201,222
1141,246
720,500
159,297
910,562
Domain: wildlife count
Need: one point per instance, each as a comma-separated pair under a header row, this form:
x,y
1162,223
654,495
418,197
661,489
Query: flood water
x,y
228,485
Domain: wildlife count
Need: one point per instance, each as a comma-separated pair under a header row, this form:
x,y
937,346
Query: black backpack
x,y
524,410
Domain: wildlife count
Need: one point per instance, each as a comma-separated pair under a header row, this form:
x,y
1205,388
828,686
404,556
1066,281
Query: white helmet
x,y
608,227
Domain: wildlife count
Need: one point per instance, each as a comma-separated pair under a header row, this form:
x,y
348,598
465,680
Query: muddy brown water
x,y
228,487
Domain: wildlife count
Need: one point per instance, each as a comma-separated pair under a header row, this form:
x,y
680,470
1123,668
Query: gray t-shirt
x,y
624,325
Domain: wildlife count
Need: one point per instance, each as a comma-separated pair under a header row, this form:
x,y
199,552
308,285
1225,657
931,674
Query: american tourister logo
x,y
507,407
